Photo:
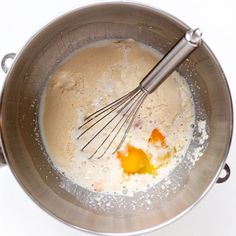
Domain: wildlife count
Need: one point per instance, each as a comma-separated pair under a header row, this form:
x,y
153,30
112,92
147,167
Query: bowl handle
x,y
5,68
226,175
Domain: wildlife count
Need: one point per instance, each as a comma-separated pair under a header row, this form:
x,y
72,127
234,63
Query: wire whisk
x,y
113,121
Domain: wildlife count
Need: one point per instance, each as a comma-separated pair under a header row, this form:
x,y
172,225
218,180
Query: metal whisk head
x,y
119,114
117,117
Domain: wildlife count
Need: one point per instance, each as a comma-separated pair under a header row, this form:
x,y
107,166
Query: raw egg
x,y
137,161
134,160
157,137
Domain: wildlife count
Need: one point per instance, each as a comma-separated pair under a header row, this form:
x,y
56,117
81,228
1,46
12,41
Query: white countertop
x,y
215,214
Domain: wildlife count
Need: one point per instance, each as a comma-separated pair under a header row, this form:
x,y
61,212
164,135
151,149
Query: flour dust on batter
x,y
92,78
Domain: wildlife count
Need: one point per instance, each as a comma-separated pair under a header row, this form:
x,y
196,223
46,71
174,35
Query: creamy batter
x,y
95,76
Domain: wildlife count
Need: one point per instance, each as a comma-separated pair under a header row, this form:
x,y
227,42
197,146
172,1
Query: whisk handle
x,y
171,60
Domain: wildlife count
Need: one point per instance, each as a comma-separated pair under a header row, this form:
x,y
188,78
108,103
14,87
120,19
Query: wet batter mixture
x,y
92,78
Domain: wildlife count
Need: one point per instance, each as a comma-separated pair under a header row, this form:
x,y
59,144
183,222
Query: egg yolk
x,y
157,136
134,160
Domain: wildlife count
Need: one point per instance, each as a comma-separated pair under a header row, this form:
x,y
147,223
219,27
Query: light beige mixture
x,y
92,78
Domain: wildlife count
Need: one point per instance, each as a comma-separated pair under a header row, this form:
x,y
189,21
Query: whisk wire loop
x,y
131,110
133,96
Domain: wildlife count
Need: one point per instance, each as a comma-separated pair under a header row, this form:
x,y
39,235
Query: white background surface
x,y
215,214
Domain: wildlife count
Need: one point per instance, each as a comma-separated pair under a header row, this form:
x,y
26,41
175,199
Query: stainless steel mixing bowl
x,y
24,150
